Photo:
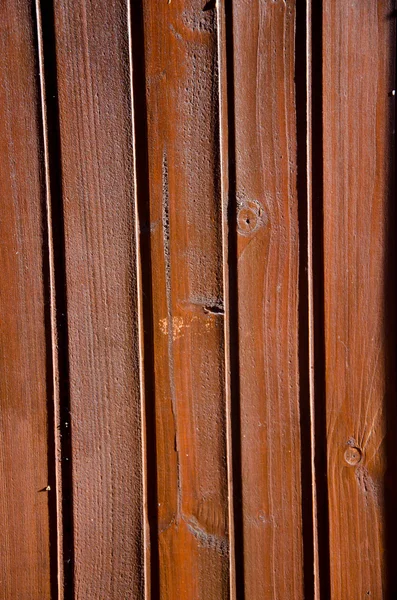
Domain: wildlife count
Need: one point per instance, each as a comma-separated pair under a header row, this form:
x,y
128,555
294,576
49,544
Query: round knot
x,y
250,216
353,455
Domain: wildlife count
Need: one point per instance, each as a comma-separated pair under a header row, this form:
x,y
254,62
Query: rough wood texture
x,y
358,76
267,273
25,359
188,306
101,274
197,300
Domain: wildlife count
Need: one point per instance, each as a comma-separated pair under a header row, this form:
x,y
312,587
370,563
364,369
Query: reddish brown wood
x,y
101,267
197,258
188,305
25,358
267,272
358,62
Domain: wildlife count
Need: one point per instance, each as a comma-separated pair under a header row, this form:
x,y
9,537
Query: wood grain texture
x,y
358,63
197,300
181,64
94,82
267,273
25,359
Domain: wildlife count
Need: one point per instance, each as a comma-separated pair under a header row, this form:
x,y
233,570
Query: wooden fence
x,y
198,300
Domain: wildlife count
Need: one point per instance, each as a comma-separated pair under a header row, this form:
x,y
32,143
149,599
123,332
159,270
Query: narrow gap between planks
x,y
141,324
145,297
59,425
316,297
311,365
230,286
303,95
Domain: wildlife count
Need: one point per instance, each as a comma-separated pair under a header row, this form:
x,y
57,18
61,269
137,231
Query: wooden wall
x,y
198,393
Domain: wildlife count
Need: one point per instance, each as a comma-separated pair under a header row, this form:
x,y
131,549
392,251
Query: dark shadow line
x,y
320,424
390,337
143,199
50,393
234,311
50,367
58,242
301,99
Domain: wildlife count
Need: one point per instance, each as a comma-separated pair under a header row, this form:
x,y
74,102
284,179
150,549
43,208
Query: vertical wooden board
x,y
188,309
358,63
101,273
267,274
24,428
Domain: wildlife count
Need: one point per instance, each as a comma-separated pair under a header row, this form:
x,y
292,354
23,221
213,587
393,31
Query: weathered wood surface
x,y
26,459
97,174
267,296
197,300
181,66
358,105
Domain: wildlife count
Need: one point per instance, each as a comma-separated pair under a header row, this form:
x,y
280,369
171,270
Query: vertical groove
x,y
145,295
306,389
309,158
317,297
230,282
54,441
141,325
303,75
223,134
59,361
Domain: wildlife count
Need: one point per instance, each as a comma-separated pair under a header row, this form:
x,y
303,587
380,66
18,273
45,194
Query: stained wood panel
x,y
95,117
197,300
358,76
267,295
26,459
181,65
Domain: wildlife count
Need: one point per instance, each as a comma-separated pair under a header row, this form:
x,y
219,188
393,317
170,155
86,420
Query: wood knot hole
x,y
353,455
250,216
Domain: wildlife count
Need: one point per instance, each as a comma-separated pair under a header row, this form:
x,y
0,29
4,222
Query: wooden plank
x,y
26,458
188,305
94,82
358,76
267,297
